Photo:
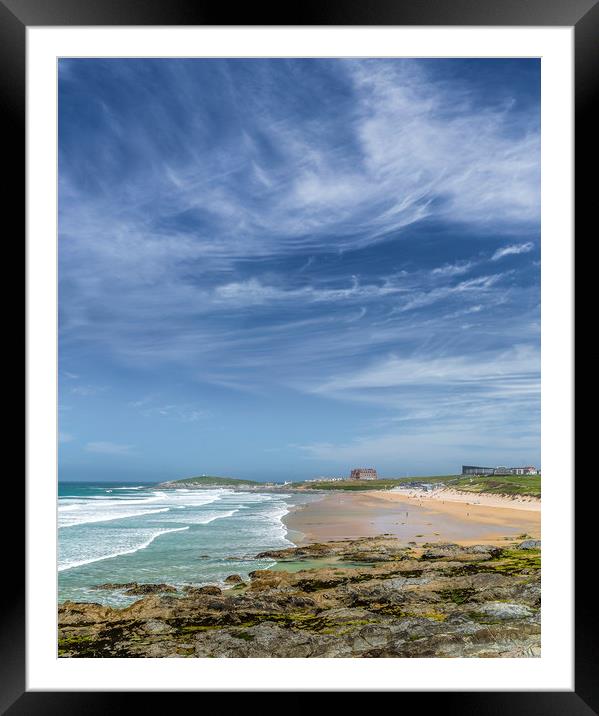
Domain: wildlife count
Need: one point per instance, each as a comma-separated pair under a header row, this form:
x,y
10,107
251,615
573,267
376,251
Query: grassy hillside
x,y
212,480
493,484
499,485
381,484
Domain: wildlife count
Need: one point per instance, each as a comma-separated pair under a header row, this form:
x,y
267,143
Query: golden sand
x,y
419,517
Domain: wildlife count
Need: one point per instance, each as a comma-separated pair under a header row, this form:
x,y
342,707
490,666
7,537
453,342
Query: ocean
x,y
117,533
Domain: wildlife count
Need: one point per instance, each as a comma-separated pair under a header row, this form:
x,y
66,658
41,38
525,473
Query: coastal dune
x,y
449,495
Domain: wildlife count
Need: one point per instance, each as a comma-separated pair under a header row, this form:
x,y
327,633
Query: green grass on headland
x,y
380,484
212,480
500,484
524,485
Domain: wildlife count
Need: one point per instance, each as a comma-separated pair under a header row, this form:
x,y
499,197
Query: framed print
x,y
300,353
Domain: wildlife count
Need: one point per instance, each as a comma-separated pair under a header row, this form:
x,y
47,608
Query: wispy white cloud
x,y
420,135
142,281
513,249
108,448
253,291
506,374
472,287
142,402
87,390
416,159
65,437
456,269
149,407
71,376
465,407
391,451
260,240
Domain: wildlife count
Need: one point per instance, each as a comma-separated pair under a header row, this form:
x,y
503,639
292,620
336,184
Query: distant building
x,y
363,473
499,470
475,470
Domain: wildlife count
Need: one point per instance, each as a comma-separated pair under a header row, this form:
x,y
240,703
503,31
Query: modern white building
x,y
528,470
499,470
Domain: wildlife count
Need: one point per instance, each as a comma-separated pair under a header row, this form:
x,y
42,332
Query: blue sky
x,y
279,269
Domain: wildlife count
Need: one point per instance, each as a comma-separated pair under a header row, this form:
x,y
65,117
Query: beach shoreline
x,y
374,574
513,502
415,516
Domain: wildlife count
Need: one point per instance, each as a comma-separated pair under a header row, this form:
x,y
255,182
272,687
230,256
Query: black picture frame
x,y
17,15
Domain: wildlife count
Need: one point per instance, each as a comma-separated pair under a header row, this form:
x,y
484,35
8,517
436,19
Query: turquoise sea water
x,y
140,533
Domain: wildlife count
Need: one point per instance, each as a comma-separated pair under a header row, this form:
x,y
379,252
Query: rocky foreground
x,y
371,597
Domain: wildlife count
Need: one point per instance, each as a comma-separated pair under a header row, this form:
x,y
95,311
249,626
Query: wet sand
x,y
348,515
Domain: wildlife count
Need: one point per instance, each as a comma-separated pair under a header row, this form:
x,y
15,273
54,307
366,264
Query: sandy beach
x,y
416,516
513,502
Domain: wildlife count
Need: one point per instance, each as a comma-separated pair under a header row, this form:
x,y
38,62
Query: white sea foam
x,y
131,550
121,499
91,509
193,501
220,522
272,526
206,518
78,519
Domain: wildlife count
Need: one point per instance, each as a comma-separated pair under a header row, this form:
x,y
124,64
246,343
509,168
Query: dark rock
x,y
211,589
371,556
441,551
530,544
483,549
441,600
115,585
501,611
345,615
208,589
234,579
136,589
142,589
155,626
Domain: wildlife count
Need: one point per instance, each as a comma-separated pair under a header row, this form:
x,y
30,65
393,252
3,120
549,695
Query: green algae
x,y
191,628
508,562
457,596
435,616
235,615
305,565
68,644
93,646
246,636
